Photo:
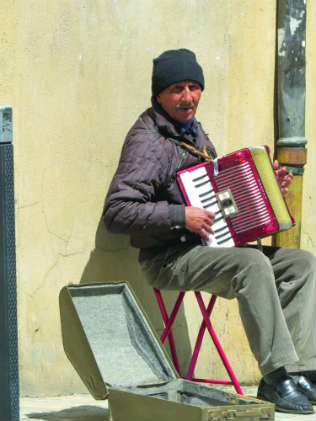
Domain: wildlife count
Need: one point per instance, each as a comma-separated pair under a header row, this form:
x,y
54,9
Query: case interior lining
x,y
125,350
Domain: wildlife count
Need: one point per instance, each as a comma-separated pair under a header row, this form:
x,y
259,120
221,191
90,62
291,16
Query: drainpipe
x,y
9,375
291,141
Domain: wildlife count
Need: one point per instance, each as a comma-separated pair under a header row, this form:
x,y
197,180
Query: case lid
x,y
109,340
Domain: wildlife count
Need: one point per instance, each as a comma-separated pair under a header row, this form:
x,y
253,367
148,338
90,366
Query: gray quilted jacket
x,y
144,199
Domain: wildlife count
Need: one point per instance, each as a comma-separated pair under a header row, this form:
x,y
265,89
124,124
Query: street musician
x,y
275,287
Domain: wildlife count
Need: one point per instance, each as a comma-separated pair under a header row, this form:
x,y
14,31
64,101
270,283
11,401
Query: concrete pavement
x,y
85,408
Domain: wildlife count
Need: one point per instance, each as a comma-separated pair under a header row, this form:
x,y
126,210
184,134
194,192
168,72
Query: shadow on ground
x,y
76,413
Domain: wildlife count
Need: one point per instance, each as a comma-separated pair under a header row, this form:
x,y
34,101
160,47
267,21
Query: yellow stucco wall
x,y
77,74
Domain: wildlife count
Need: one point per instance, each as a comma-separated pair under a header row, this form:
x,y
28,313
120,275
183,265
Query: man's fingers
x,y
210,218
284,178
207,228
209,214
205,235
199,221
275,164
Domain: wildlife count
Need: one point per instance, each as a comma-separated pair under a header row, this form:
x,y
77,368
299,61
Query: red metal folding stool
x,y
206,324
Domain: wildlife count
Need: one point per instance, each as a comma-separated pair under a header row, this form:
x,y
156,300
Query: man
x,y
275,289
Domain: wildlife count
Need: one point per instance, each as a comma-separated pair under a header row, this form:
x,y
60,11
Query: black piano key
x,y
207,200
207,205
220,229
218,219
207,192
223,241
199,178
202,184
223,235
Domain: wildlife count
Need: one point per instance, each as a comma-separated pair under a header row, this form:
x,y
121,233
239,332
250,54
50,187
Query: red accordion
x,y
242,190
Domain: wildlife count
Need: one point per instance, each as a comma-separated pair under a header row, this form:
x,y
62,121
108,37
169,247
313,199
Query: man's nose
x,y
186,95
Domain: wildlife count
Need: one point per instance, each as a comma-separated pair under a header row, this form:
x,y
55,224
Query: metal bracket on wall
x,y
5,124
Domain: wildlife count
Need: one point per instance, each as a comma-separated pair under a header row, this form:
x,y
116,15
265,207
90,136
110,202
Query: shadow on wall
x,y
113,259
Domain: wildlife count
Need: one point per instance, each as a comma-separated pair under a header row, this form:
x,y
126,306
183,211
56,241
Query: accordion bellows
x,y
271,187
242,190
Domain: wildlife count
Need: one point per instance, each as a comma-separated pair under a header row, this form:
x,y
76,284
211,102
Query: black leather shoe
x,y
310,375
306,387
286,396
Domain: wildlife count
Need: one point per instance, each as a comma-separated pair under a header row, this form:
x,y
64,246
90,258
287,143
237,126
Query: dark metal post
x,y
290,145
9,373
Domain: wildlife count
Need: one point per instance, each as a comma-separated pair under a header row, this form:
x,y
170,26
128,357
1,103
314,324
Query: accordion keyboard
x,y
201,193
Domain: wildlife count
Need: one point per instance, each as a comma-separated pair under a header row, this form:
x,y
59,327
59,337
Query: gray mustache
x,y
185,105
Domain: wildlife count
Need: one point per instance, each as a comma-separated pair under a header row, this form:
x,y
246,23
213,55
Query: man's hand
x,y
199,221
284,178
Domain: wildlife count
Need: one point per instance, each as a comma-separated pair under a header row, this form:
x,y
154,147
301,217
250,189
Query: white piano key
x,y
212,242
201,194
197,173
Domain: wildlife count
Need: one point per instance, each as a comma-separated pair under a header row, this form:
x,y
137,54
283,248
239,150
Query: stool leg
x,y
199,339
168,321
172,316
217,343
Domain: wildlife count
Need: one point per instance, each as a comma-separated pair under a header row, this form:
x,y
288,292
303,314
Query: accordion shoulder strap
x,y
202,154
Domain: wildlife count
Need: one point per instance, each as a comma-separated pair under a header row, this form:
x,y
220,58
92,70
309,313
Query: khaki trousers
x,y
275,289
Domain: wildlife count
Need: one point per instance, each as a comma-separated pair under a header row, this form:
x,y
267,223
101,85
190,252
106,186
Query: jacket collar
x,y
171,128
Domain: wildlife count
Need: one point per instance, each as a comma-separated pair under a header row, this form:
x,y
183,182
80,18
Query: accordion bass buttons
x,y
227,203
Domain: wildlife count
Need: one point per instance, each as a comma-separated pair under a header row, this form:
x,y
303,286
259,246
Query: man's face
x,y
180,100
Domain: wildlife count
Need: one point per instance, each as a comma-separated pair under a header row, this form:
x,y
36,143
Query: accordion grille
x,y
248,194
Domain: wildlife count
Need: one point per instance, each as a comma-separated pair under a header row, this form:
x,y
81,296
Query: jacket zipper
x,y
173,178
184,154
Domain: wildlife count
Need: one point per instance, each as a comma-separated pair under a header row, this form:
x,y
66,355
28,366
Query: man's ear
x,y
158,99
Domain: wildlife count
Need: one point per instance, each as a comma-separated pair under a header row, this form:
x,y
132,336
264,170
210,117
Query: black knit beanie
x,y
175,66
